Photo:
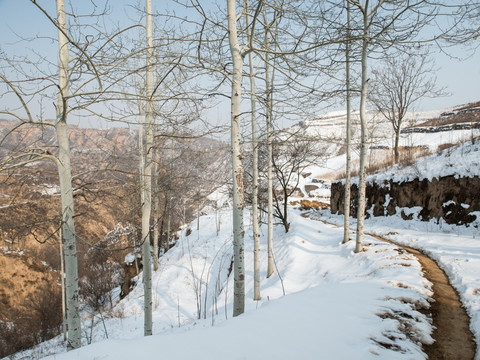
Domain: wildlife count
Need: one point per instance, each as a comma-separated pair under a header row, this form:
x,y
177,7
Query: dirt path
x,y
452,335
453,338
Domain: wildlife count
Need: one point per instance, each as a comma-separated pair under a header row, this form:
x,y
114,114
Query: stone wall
x,y
449,198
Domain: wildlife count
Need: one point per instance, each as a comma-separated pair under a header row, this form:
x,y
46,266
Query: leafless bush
x,y
445,146
97,285
409,155
41,324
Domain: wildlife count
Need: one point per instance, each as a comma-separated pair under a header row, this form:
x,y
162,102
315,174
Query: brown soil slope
x,y
23,281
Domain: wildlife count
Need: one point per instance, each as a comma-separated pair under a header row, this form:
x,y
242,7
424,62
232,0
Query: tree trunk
x,y
346,209
363,139
286,225
62,276
147,182
397,139
66,191
169,195
237,169
269,162
169,221
156,209
255,225
163,245
256,230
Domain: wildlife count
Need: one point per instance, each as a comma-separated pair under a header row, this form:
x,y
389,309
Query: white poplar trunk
x,y
62,277
363,138
66,191
147,183
155,209
346,209
169,220
237,169
169,196
270,264
256,229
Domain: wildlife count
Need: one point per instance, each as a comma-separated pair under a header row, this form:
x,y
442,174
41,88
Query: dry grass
x,y
310,204
445,146
380,160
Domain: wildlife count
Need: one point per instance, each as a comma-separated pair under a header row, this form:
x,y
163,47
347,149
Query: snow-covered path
x,y
456,249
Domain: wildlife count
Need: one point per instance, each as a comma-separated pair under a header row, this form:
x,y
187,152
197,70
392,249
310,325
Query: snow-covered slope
x,y
331,127
324,301
459,161
337,304
455,248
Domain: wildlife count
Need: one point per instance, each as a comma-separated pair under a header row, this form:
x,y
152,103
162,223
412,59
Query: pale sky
x,y
20,18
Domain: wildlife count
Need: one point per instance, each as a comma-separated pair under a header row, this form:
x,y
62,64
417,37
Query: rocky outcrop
x,y
449,198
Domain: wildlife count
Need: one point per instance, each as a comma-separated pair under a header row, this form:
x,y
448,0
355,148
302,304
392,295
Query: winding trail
x,y
453,338
452,335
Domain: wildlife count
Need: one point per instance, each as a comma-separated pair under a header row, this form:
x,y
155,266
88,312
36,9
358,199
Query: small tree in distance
x,y
401,82
290,158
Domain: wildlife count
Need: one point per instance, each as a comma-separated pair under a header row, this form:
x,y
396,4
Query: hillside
x,y
381,294
323,300
30,297
105,163
323,283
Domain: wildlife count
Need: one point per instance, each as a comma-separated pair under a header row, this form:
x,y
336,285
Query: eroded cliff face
x,y
449,198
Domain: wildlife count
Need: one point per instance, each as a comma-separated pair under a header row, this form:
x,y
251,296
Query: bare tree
x,y
255,220
83,64
348,135
459,25
382,24
269,80
290,158
146,174
401,82
66,190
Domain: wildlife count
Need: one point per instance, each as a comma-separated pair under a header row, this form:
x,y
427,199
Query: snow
x,y
456,249
338,304
8,250
129,258
461,161
220,197
331,126
324,300
48,189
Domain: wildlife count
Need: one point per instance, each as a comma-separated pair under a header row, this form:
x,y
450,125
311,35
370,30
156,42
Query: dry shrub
x,y
96,287
445,146
408,156
101,276
43,322
310,204
47,307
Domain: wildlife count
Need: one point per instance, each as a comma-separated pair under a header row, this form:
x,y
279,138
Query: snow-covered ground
x,y
337,304
324,301
456,249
